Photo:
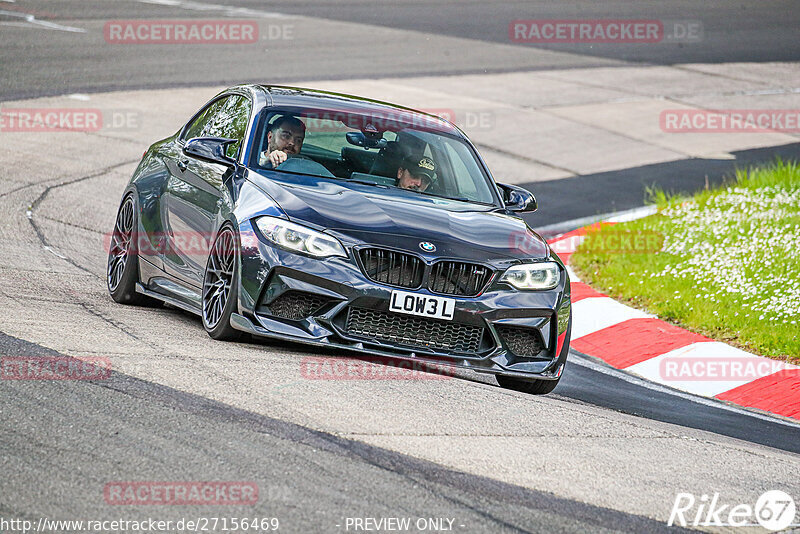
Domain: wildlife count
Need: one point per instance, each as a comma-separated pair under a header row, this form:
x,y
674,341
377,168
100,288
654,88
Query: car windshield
x,y
404,150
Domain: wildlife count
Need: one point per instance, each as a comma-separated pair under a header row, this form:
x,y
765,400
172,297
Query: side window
x,y
195,129
226,117
240,117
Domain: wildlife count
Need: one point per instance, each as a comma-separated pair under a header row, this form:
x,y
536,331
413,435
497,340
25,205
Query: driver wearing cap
x,y
416,173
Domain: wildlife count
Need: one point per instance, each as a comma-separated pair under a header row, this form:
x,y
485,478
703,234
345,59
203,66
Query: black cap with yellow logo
x,y
420,166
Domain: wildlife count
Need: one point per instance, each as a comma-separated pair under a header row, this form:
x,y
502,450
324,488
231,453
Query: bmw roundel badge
x,y
427,247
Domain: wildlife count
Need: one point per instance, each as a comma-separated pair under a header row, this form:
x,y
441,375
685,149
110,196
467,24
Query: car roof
x,y
282,95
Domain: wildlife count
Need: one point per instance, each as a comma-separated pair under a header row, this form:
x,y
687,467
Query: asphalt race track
x,y
733,31
605,452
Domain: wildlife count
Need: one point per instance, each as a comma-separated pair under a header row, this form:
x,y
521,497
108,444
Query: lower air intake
x,y
296,305
413,331
524,342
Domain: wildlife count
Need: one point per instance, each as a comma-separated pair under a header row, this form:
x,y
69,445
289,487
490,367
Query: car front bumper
x,y
288,296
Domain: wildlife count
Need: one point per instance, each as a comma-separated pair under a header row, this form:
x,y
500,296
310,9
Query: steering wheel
x,y
305,166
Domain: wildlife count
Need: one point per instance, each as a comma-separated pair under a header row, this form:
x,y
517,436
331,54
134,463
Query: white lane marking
x,y
620,216
29,215
706,368
572,276
230,11
79,96
30,19
54,252
635,380
772,92
597,313
632,215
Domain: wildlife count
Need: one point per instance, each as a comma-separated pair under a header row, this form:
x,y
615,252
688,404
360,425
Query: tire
x,y
122,267
527,385
220,286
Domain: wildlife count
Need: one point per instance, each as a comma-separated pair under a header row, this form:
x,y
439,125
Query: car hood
x,y
399,219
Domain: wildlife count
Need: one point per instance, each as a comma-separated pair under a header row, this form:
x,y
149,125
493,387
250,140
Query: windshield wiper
x,y
365,182
459,199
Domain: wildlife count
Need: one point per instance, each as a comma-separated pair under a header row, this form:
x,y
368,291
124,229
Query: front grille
x,y
392,268
458,278
296,305
524,342
413,331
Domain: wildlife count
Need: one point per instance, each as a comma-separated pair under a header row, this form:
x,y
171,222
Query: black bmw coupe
x,y
343,222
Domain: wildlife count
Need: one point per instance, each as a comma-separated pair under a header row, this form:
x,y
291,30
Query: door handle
x,y
182,165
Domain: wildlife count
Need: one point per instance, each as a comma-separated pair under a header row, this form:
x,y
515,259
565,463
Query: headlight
x,y
532,275
298,238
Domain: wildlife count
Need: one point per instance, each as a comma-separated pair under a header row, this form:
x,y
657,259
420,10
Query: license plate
x,y
422,305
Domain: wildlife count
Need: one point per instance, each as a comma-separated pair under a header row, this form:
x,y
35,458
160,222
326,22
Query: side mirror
x,y
517,198
211,149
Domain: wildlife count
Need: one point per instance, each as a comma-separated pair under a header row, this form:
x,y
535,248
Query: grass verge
x,y
724,262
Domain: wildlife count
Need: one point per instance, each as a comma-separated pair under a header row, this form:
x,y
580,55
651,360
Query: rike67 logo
x,y
774,510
